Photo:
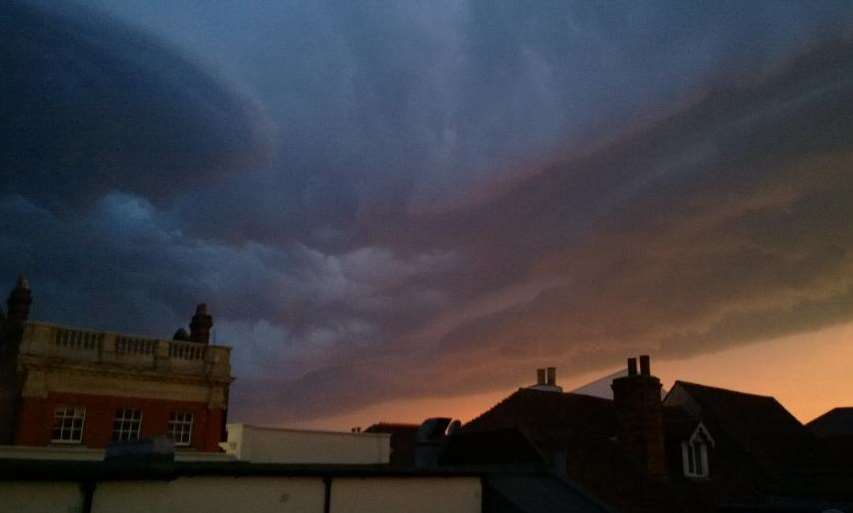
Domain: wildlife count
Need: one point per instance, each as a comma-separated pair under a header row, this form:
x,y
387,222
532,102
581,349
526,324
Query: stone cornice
x,y
27,362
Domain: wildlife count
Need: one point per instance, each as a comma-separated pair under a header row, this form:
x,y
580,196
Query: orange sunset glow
x,y
807,373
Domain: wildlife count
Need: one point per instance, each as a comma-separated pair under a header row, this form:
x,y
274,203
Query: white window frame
x,y
64,418
127,425
694,453
180,424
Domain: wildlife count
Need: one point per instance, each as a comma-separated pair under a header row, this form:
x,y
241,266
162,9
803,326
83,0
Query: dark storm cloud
x,y
461,190
728,223
385,105
91,106
723,224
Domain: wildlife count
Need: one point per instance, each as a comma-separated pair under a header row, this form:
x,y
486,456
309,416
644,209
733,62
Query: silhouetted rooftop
x,y
550,419
835,422
758,423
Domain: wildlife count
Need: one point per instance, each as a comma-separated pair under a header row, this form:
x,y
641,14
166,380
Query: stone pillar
x,y
11,333
19,301
201,324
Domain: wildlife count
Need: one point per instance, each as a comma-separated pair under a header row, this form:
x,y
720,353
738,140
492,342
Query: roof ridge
x,y
528,390
829,412
502,401
721,389
561,394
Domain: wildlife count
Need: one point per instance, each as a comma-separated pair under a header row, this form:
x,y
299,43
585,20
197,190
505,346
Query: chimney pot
x,y
632,366
552,376
540,376
645,367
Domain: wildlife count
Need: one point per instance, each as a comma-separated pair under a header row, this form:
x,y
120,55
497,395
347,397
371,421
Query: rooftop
x,y
758,424
835,422
41,470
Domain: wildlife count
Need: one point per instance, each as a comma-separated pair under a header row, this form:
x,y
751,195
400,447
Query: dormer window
x,y
694,452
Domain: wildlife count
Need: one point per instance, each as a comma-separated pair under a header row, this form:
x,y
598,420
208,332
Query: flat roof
x,y
360,434
135,470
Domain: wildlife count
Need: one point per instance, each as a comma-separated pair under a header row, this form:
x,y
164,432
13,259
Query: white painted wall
x,y
274,445
251,494
211,495
406,495
16,497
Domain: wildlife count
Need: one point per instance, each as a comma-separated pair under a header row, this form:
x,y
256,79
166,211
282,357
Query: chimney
x,y
546,380
640,414
632,366
18,304
200,325
644,365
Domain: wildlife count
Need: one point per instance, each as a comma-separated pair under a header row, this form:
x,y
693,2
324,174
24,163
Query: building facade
x,y
65,386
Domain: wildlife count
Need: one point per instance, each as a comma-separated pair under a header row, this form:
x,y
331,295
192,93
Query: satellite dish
x,y
432,429
454,428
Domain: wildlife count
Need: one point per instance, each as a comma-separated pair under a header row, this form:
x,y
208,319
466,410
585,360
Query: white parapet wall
x,y
211,495
276,445
406,495
258,494
39,497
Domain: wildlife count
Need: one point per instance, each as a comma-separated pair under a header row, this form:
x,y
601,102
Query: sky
x,y
397,210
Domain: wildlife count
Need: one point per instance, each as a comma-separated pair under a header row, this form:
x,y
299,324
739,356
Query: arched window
x,y
695,452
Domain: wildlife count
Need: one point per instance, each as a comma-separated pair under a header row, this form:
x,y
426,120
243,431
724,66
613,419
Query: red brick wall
x,y
35,420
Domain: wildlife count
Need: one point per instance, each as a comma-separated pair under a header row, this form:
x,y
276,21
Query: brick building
x,y
75,387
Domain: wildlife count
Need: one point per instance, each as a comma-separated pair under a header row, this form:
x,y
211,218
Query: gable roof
x,y
550,419
758,424
576,429
678,424
582,431
835,422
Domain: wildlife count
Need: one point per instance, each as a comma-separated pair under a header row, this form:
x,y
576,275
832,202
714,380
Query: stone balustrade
x,y
57,344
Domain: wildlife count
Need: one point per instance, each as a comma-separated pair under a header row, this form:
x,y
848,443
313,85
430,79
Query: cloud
x,y
721,225
747,231
428,198
99,106
291,307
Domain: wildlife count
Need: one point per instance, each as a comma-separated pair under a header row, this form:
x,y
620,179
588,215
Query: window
x,y
695,453
696,459
68,425
126,424
181,427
